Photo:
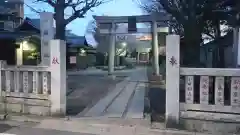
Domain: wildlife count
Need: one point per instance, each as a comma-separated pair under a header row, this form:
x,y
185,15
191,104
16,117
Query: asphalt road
x,y
85,90
6,129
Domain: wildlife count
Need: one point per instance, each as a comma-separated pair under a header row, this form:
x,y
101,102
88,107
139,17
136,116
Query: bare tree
x,y
154,7
193,18
79,10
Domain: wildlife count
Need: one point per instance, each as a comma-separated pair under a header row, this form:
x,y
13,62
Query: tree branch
x,y
171,7
50,2
70,3
33,9
79,13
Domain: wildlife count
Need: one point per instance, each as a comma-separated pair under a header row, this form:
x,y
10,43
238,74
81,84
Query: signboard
x,y
121,37
47,34
73,60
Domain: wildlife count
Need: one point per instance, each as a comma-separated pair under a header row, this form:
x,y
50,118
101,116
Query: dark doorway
x,y
8,51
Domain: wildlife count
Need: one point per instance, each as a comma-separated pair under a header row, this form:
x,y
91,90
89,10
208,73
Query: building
x,y
78,50
209,51
11,14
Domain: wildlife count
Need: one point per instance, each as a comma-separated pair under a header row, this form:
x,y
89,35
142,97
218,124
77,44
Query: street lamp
x,y
124,44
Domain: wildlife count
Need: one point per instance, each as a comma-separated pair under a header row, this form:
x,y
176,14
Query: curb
x,y
28,118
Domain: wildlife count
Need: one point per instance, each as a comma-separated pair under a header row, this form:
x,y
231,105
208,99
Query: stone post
x,y
172,80
19,53
47,34
155,48
138,58
2,65
58,77
236,48
111,51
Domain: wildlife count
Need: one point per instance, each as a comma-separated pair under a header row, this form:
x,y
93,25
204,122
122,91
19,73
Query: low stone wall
x,y
25,90
216,127
36,90
23,105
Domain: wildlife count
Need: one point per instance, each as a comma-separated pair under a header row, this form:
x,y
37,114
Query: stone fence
x,y
203,94
37,90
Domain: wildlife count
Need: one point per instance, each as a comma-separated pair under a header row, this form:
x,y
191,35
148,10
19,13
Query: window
x,y
45,32
10,6
1,25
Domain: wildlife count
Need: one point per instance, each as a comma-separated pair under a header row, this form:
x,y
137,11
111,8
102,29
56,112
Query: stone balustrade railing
x,y
38,90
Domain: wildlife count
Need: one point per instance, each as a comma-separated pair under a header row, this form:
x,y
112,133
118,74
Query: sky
x,y
78,26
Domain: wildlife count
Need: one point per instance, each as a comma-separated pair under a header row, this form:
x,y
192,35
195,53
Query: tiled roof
x,y
74,40
36,24
15,35
77,41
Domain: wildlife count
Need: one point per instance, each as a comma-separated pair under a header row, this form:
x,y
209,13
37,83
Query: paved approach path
x,y
126,100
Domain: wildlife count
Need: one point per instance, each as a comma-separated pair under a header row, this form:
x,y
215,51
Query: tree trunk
x,y
60,32
221,56
191,49
60,22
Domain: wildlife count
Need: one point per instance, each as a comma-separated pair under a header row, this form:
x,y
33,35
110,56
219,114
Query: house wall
x,y
80,60
103,44
14,6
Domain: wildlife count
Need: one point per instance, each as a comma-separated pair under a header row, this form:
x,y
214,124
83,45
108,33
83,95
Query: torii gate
x,y
111,22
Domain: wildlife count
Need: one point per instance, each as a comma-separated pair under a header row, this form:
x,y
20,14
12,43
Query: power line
x,y
32,8
36,11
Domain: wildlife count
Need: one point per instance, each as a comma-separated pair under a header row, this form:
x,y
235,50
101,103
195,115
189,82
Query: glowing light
x,y
26,46
82,51
124,44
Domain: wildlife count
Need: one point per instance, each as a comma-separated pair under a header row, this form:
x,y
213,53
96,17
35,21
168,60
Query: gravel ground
x,y
86,90
157,98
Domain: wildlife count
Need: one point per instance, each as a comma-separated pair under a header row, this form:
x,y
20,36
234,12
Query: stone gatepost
x,y
58,77
172,80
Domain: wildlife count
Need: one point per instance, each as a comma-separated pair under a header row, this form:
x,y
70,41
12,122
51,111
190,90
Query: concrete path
x,y
126,100
85,127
